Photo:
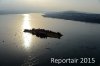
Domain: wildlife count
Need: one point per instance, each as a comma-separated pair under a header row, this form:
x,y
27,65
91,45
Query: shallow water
x,y
18,48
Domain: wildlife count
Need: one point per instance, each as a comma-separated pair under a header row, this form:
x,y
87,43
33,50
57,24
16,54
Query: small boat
x,y
42,33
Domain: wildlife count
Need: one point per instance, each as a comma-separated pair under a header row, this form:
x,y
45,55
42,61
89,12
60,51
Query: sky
x,y
51,5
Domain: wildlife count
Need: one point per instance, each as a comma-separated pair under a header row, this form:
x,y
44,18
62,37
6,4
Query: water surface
x,y
18,48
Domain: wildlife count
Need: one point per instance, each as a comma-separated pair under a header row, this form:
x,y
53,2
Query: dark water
x,y
23,49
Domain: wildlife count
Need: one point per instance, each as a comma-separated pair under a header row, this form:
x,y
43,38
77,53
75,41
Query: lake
x,y
79,40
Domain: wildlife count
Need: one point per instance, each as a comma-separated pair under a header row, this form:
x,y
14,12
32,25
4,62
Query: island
x,y
42,33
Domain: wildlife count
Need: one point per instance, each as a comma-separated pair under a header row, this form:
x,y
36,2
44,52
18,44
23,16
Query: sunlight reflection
x,y
26,25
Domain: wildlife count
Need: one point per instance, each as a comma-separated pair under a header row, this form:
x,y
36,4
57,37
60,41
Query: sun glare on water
x,y
26,25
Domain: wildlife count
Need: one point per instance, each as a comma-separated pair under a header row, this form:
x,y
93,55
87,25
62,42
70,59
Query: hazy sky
x,y
51,5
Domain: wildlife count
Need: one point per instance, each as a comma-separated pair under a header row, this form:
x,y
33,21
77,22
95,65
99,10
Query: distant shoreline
x,y
16,12
75,16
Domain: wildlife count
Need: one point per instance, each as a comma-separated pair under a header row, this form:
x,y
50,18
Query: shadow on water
x,y
42,33
75,16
